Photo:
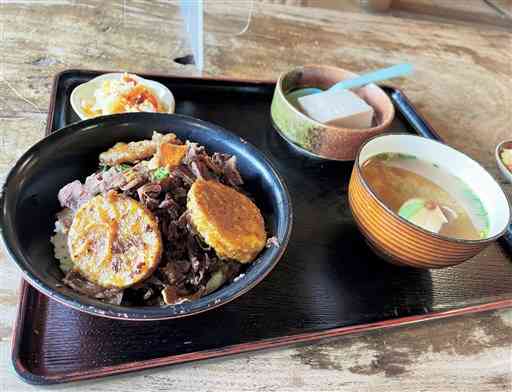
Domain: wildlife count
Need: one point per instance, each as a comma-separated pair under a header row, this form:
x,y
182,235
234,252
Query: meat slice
x,y
78,283
135,151
73,195
105,181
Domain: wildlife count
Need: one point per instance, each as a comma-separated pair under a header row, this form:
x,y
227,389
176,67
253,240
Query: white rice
x,y
60,240
61,252
238,277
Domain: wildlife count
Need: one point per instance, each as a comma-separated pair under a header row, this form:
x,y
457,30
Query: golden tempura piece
x,y
114,241
227,220
169,155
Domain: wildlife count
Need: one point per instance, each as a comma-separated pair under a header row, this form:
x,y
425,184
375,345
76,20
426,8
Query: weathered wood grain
x,y
473,11
490,12
503,6
462,85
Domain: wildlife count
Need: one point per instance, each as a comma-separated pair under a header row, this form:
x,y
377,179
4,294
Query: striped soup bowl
x,y
403,243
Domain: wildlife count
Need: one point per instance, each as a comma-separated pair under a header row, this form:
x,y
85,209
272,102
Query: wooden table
x,y
462,85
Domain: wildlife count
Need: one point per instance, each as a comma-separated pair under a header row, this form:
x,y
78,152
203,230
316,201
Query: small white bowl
x,y
506,173
85,91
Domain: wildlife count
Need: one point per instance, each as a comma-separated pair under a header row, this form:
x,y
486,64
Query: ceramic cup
x,y
322,140
507,174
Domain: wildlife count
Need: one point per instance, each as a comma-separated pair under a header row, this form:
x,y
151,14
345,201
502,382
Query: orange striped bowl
x,y
400,241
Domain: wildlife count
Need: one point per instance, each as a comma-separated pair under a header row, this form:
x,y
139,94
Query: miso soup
x,y
427,195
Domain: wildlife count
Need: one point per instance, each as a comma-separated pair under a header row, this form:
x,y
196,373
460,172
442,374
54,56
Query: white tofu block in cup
x,y
341,108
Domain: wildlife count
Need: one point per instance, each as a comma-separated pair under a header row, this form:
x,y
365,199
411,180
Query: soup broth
x,y
427,195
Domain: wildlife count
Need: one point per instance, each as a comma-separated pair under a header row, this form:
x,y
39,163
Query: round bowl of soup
x,y
423,204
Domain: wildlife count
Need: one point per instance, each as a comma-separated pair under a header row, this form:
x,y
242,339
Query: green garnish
x,y
405,156
385,156
160,174
411,208
123,167
104,168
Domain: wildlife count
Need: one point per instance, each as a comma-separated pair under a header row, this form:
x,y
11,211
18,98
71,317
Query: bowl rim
x,y
106,75
302,116
368,188
301,150
501,165
95,307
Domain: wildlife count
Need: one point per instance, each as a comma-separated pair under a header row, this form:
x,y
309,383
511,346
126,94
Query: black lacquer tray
x,y
329,283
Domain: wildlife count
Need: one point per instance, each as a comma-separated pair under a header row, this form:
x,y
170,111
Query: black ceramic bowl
x,y
29,203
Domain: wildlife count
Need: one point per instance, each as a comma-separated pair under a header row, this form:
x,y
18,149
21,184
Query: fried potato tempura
x,y
114,241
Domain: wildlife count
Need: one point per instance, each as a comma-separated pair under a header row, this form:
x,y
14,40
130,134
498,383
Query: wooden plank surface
x,y
490,12
502,6
473,11
462,84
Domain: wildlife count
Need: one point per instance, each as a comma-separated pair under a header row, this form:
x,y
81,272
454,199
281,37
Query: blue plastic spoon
x,y
363,80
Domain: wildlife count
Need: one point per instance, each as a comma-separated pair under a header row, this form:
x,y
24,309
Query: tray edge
x,y
58,378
